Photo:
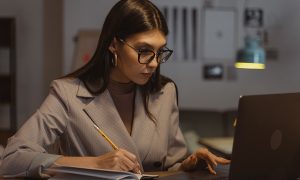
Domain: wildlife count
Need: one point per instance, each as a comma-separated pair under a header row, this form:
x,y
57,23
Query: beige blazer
x,y
65,118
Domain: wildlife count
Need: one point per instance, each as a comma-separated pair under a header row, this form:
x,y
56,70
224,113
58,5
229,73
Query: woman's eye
x,y
145,51
163,49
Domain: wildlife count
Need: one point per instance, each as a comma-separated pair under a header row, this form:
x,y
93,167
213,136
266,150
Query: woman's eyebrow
x,y
149,45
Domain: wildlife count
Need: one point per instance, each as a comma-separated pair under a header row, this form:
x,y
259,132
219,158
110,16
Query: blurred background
x,y
50,38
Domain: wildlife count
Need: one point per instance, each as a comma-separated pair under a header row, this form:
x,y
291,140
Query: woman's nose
x,y
153,63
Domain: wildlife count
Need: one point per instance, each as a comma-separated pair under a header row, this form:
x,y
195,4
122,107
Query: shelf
x,y
7,32
8,114
4,135
5,90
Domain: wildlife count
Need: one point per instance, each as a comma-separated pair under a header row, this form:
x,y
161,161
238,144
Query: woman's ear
x,y
113,46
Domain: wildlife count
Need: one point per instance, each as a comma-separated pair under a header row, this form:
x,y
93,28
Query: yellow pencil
x,y
108,140
105,137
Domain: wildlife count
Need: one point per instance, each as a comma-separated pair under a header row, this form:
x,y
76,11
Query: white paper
x,y
66,172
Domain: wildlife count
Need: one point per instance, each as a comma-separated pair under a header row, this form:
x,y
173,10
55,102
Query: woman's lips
x,y
147,75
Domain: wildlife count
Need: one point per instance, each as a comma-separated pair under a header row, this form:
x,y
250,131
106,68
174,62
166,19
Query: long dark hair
x,y
126,18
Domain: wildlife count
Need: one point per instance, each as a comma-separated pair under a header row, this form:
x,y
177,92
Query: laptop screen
x,y
267,137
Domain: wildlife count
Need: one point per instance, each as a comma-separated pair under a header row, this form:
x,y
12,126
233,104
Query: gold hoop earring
x,y
115,61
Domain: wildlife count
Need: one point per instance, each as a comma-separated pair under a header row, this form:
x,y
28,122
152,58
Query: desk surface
x,y
222,145
222,173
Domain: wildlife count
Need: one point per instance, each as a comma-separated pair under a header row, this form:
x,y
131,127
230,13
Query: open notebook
x,y
67,172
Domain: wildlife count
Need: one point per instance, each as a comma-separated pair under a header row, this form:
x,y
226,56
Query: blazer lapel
x,y
102,111
143,127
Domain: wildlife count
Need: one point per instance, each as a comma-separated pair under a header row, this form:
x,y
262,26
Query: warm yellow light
x,y
249,65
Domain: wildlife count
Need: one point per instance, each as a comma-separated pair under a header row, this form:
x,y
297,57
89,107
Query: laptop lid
x,y
267,138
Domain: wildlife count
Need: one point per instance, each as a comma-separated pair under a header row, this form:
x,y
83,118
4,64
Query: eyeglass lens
x,y
146,57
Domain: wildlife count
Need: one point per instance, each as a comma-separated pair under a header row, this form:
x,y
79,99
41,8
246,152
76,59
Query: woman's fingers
x,y
222,160
211,159
189,163
137,169
119,160
129,155
207,156
214,160
130,162
210,169
194,161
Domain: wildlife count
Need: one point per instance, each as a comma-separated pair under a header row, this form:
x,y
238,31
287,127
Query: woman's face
x,y
128,67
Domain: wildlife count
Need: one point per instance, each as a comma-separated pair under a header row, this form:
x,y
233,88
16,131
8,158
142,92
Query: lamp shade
x,y
252,56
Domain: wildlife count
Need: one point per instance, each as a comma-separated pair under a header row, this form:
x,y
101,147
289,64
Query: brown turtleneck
x,y
123,96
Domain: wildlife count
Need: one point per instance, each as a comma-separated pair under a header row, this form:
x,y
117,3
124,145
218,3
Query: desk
x,y
222,173
219,145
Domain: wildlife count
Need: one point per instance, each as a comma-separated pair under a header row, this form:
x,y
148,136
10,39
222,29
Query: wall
x,y
281,75
195,93
81,14
52,41
29,53
224,94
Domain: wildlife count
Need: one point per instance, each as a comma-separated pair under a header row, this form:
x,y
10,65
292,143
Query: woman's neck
x,y
119,87
118,76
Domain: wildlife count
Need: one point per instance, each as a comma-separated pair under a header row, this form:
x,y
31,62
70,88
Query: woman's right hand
x,y
120,160
209,158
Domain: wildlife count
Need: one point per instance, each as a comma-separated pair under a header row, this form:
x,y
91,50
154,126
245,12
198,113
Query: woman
x,y
120,91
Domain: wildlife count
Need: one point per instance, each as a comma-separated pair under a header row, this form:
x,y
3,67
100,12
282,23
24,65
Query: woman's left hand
x,y
211,160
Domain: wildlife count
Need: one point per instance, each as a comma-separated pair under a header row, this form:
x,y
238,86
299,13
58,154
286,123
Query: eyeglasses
x,y
145,56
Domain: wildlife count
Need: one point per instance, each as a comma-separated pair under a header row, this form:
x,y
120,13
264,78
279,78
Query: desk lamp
x,y
252,56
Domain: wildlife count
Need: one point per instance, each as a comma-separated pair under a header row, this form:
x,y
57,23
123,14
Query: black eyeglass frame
x,y
155,55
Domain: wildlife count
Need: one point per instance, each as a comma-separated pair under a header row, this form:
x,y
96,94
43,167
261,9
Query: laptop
x,y
267,138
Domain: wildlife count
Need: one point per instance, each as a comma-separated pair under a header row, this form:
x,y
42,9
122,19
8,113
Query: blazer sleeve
x,y
27,152
177,150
